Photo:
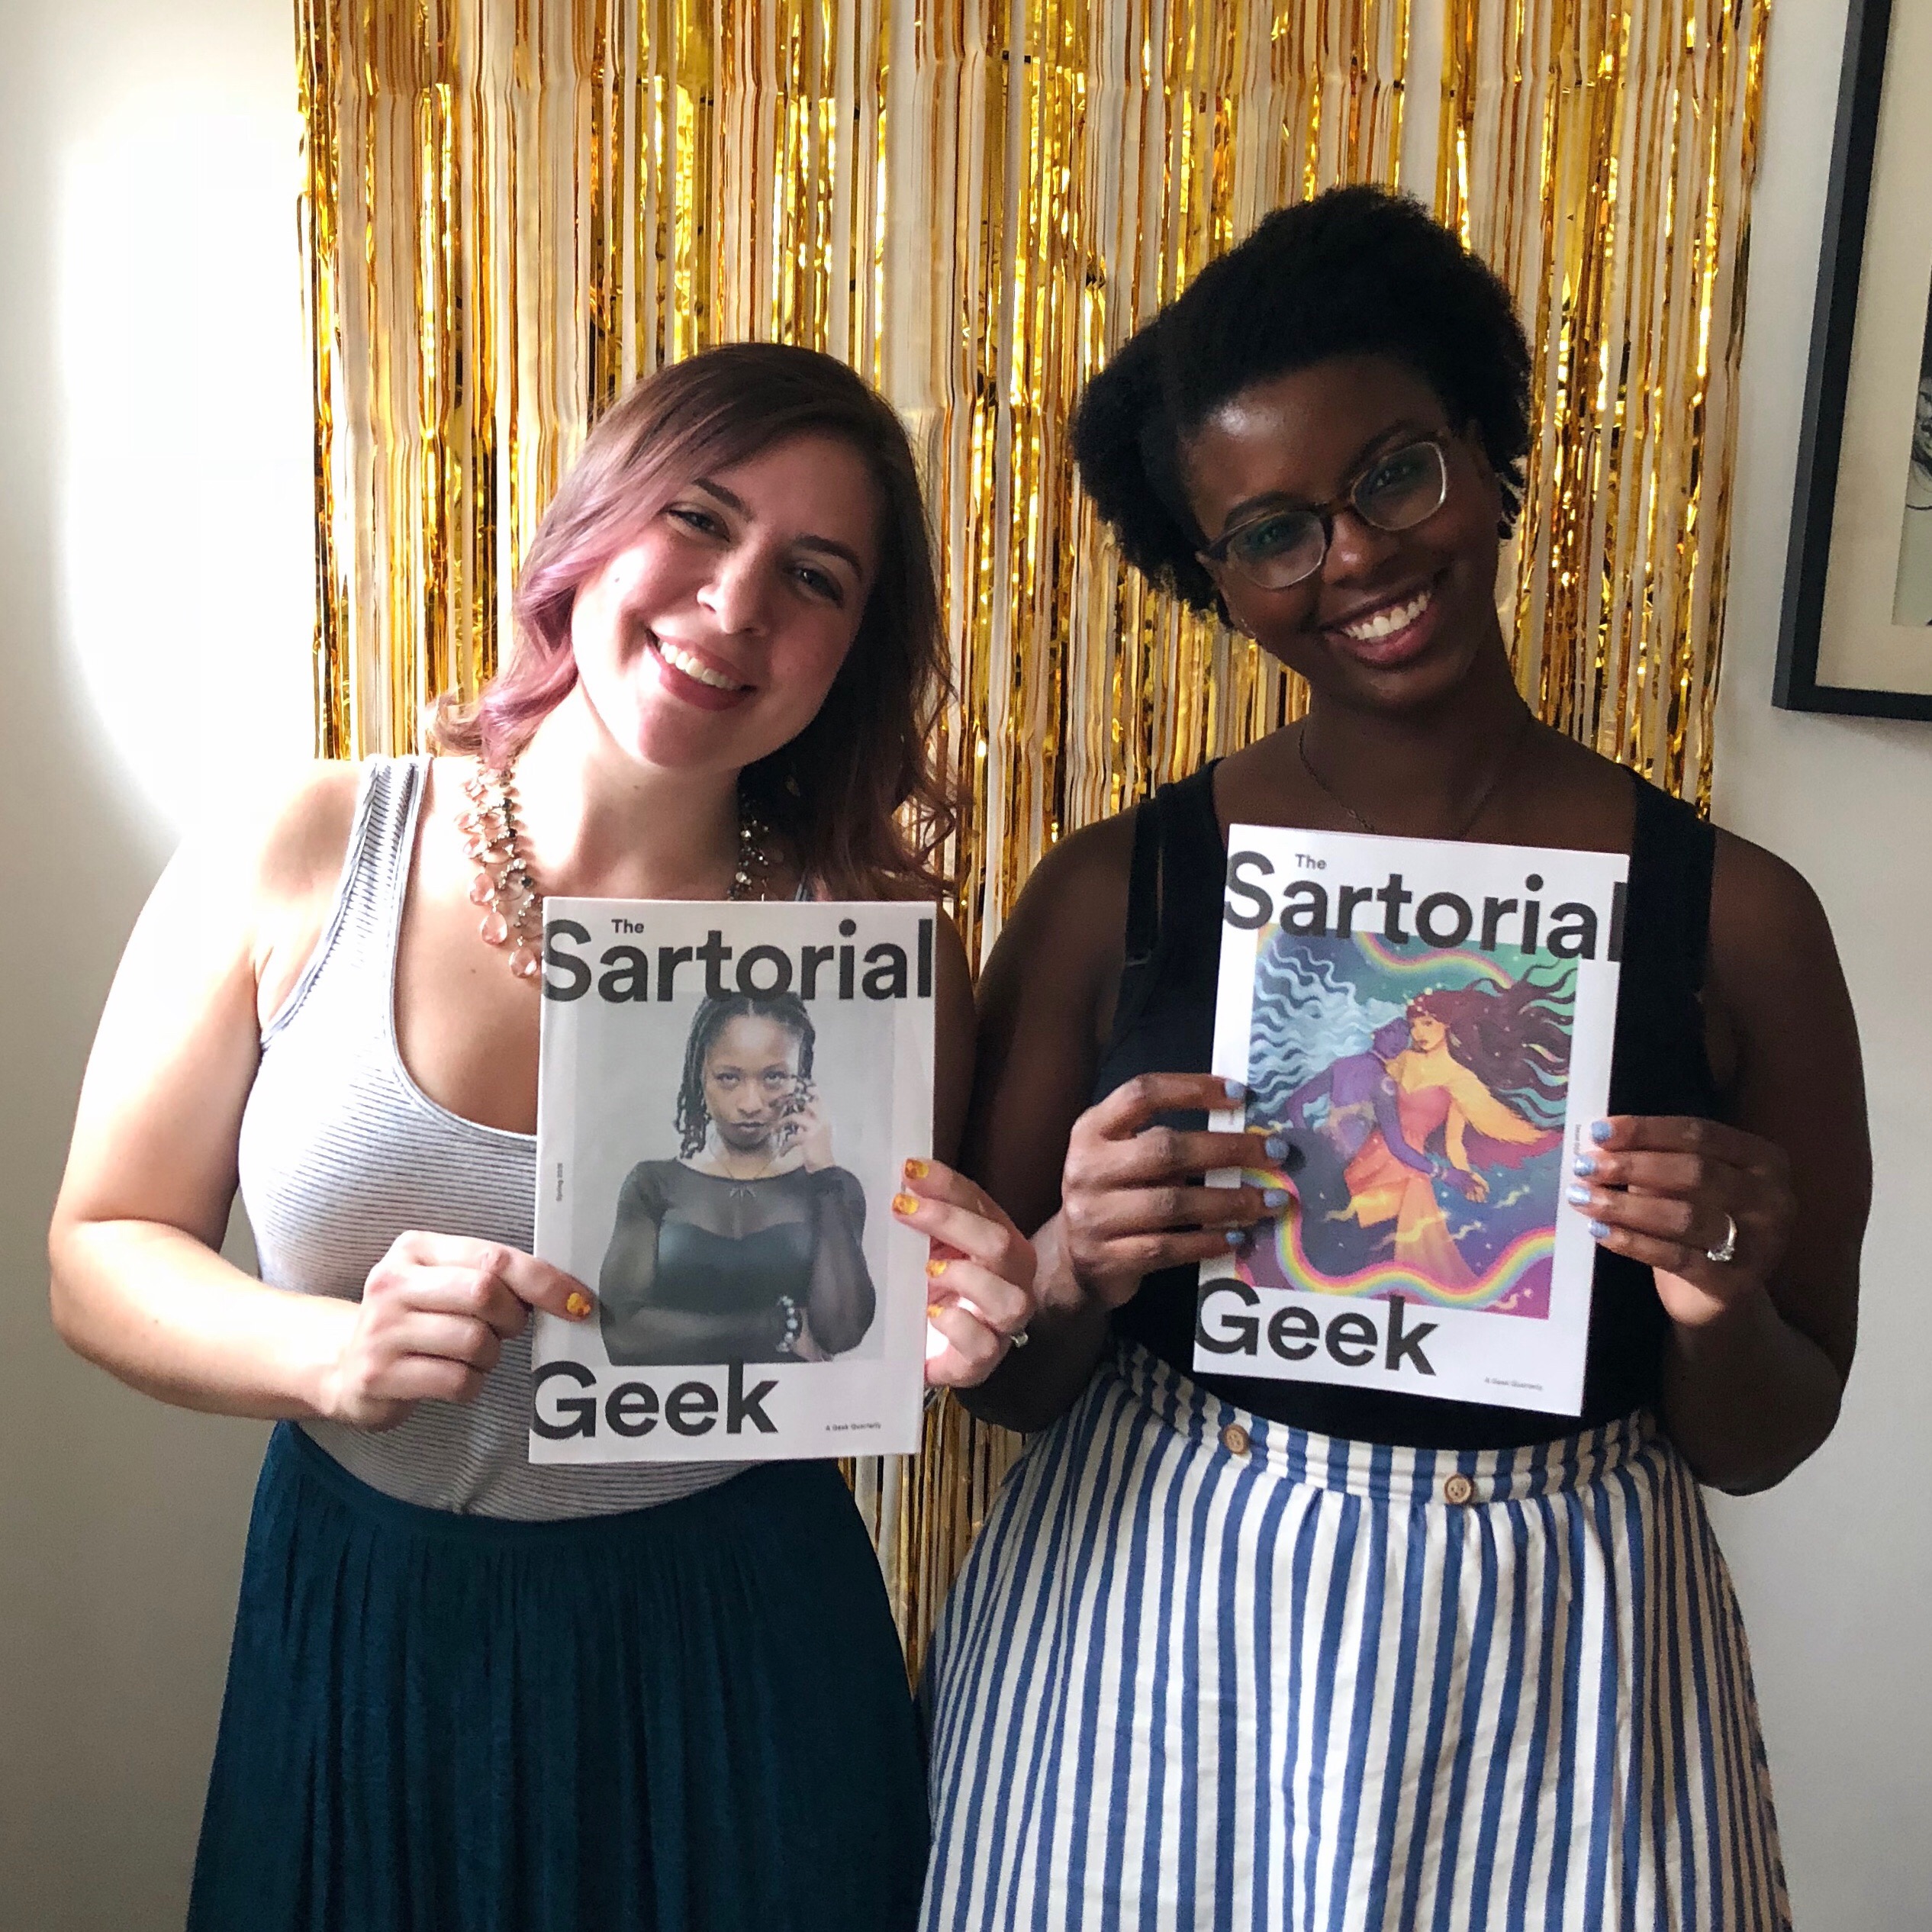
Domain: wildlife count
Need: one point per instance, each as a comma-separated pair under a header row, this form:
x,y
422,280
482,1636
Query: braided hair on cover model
x,y
786,1010
1354,272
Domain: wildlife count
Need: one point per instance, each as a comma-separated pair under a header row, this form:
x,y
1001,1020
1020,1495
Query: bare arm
x,y
955,1037
1295,1113
1041,996
1759,1346
1131,1203
138,1285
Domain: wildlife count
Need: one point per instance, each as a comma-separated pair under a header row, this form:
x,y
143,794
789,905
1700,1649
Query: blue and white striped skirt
x,y
1206,1670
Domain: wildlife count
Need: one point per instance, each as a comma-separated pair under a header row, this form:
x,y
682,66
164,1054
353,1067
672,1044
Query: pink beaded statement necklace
x,y
513,908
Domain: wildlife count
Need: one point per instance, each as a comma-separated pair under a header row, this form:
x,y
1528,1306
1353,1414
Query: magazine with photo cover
x,y
727,1095
1428,1027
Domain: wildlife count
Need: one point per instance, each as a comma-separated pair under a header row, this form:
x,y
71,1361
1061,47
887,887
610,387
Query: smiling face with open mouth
x,y
712,638
1390,619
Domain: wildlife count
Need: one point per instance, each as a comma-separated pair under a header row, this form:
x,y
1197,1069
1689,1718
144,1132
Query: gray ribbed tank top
x,y
341,1152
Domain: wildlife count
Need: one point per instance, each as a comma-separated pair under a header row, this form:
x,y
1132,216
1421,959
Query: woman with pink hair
x,y
466,1691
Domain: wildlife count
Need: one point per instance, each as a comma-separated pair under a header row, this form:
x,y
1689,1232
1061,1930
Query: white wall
x,y
1835,1566
154,600
154,613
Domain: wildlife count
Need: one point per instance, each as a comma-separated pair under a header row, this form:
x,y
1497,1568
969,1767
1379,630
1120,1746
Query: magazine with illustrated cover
x,y
1428,1025
726,1094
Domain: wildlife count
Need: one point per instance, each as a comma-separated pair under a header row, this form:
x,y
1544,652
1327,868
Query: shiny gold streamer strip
x,y
1601,156
515,207
318,71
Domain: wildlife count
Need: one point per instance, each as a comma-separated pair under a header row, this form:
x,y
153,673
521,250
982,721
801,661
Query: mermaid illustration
x,y
1482,1079
1358,1096
1329,1118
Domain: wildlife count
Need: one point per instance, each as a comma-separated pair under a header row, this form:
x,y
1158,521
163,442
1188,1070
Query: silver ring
x,y
1727,1249
1019,1339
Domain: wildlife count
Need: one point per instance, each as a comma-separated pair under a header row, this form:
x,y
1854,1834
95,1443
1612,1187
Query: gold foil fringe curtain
x,y
515,207
1600,157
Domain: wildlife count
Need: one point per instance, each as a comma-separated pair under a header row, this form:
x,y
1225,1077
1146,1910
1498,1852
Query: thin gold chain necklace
x,y
1475,812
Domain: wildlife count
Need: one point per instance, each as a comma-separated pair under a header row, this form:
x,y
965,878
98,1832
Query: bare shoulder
x,y
1774,991
1077,896
267,872
273,844
1765,917
226,931
1058,962
950,950
305,824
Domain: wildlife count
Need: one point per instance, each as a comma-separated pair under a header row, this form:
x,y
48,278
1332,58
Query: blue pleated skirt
x,y
695,1716
1202,1670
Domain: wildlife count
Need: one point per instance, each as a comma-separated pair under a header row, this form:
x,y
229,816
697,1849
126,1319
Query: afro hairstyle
x,y
1355,271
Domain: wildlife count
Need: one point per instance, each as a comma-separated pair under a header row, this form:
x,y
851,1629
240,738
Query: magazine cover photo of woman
x,y
748,1245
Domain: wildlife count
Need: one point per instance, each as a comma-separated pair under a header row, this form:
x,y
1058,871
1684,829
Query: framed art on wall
x,y
1857,628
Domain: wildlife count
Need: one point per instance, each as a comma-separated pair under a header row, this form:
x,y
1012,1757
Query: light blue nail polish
x,y
1237,1236
1276,1147
1599,1130
1584,1163
1599,1229
1577,1197
1233,1090
1275,1197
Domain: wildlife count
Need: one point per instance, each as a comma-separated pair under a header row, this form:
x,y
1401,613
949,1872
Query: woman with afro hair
x,y
1240,1652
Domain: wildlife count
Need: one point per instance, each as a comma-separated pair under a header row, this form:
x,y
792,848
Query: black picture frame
x,y
1848,195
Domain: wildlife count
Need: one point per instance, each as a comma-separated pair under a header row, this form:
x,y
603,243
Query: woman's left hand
x,y
979,1279
1669,1190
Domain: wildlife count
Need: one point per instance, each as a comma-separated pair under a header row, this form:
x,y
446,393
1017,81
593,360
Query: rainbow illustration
x,y
1514,1271
1427,962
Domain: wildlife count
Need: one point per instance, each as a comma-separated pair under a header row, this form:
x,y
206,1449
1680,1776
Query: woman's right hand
x,y
1133,1200
435,1313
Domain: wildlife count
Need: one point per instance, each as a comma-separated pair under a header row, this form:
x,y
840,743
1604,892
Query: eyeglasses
x,y
1281,547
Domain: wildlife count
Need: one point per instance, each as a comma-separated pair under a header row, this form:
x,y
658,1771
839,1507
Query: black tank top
x,y
1164,1023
